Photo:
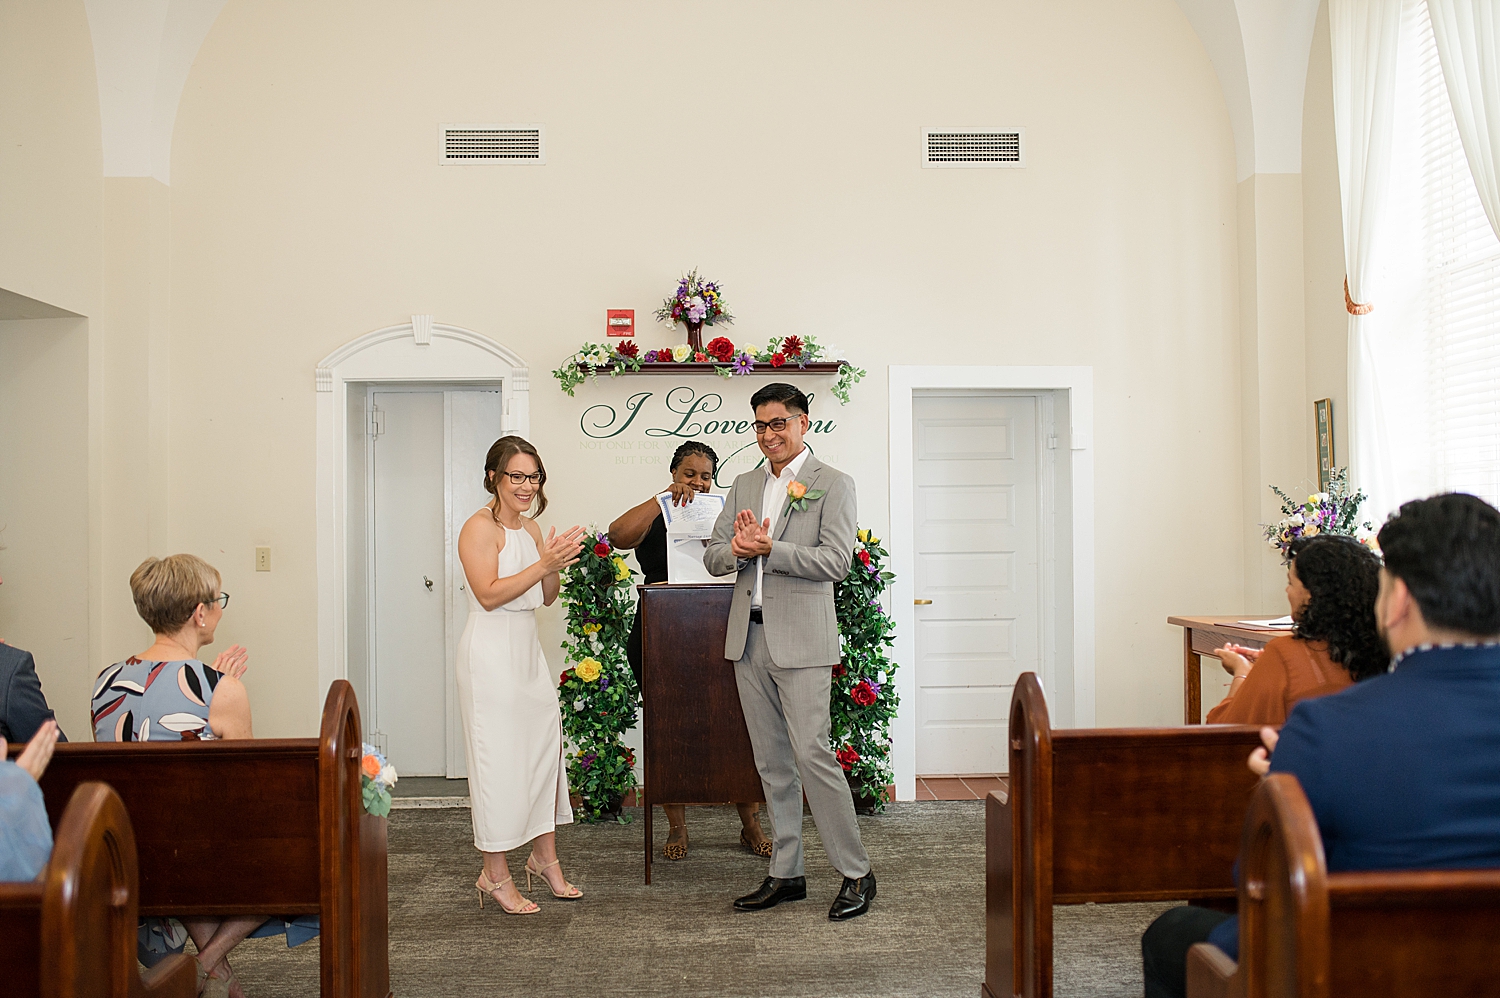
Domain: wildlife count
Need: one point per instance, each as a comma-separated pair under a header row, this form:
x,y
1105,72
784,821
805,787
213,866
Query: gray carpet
x,y
924,935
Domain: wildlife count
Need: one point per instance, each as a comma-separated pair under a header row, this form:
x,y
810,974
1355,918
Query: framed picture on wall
x,y
1323,417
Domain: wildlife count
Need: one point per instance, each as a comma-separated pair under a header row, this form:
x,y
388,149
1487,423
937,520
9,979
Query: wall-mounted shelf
x,y
710,367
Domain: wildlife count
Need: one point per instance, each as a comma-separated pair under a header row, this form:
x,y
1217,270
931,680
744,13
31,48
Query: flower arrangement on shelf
x,y
727,358
376,777
696,303
1333,512
597,692
864,698
592,358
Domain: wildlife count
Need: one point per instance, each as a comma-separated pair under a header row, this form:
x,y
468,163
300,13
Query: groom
x,y
788,531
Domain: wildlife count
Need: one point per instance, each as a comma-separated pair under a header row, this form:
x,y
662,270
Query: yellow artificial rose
x,y
622,570
592,628
588,670
864,536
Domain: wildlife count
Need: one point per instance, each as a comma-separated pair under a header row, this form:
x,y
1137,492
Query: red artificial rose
x,y
700,356
847,757
601,549
721,348
791,346
862,694
864,557
628,349
564,677
839,672
777,359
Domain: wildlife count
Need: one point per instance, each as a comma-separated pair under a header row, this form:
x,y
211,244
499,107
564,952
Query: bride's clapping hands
x,y
561,550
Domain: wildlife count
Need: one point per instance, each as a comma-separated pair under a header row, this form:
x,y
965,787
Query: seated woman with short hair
x,y
167,693
1331,586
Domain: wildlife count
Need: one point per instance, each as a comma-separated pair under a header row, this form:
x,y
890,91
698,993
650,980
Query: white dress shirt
x,y
771,503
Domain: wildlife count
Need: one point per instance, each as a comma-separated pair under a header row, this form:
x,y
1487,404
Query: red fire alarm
x,y
620,322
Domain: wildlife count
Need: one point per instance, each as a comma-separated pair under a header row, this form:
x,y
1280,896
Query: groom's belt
x,y
755,616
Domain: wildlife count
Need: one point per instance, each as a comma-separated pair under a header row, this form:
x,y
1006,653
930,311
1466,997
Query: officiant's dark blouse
x,y
651,555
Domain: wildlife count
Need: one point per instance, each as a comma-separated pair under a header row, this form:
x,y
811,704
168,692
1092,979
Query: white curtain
x,y
1468,43
1365,35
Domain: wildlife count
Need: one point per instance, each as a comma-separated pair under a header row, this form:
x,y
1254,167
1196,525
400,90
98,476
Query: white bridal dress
x,y
507,696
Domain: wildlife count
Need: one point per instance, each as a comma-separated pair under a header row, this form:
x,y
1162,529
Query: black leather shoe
x,y
854,898
773,891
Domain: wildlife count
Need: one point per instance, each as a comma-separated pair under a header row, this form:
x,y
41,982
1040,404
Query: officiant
x,y
643,529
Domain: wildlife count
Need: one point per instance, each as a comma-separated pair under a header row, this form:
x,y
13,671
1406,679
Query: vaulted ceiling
x,y
144,50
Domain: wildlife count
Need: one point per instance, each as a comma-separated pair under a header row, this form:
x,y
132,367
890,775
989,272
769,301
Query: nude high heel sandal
x,y
484,887
530,872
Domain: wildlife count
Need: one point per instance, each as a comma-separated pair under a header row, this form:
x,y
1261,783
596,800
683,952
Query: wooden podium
x,y
697,750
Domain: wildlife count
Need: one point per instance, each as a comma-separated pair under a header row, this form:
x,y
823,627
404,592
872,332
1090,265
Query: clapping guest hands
x,y
1260,759
233,661
1238,660
38,751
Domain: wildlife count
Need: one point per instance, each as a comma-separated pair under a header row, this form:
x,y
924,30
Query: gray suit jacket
x,y
810,551
22,706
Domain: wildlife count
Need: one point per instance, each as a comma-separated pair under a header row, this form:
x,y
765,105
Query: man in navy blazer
x,y
1402,770
23,708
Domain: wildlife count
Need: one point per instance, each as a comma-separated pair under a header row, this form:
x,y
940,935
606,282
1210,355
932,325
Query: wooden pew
x,y
272,826
1103,814
1308,933
71,933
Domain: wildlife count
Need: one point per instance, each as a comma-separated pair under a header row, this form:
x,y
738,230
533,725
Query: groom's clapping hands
x,y
751,539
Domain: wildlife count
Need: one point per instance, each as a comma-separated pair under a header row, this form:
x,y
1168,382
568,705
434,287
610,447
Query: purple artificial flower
x,y
874,686
743,364
587,760
650,357
604,682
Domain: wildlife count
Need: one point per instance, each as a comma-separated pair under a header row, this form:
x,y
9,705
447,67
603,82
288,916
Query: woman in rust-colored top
x,y
1331,586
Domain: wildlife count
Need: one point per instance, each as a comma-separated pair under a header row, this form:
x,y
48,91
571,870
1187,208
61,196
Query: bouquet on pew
x,y
597,691
864,696
1333,512
376,777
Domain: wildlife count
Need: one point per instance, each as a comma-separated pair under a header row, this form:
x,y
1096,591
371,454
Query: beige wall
x,y
782,157
44,507
50,159
50,503
1323,246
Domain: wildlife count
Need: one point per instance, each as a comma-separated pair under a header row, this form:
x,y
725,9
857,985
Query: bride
x,y
512,723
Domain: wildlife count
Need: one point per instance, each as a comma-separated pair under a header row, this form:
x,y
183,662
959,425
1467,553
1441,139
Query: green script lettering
x,y
632,404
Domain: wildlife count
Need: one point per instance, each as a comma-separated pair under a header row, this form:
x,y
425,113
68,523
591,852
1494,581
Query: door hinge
x,y
377,422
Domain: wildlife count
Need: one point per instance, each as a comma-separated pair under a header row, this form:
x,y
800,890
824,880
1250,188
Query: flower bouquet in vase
x,y
1333,512
696,303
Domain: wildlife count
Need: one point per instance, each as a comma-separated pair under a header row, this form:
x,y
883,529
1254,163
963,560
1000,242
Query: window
x,y
1459,287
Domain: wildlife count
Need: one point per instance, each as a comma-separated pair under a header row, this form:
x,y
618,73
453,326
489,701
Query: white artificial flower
x,y
752,350
880,677
1295,520
831,352
388,775
682,352
581,357
577,705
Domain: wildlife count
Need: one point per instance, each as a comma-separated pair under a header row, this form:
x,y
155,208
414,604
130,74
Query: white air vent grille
x,y
494,144
968,149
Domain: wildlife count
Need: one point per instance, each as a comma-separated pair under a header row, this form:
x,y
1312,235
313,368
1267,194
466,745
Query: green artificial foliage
x,y
597,692
864,698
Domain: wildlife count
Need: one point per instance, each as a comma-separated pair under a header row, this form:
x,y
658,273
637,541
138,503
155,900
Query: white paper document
x,y
1280,623
689,528
692,519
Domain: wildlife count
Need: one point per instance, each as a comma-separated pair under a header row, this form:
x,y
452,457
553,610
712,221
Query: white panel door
x,y
408,561
474,421
978,527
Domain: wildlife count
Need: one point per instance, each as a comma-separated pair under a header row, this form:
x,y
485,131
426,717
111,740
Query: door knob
x,y
921,602
427,582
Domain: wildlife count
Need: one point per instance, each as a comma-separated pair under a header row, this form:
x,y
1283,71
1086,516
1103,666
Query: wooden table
x,y
696,747
1200,636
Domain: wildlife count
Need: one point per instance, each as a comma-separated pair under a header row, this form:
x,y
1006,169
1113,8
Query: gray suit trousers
x,y
786,712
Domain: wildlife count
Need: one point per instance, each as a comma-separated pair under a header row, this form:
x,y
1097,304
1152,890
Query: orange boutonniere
x,y
799,495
